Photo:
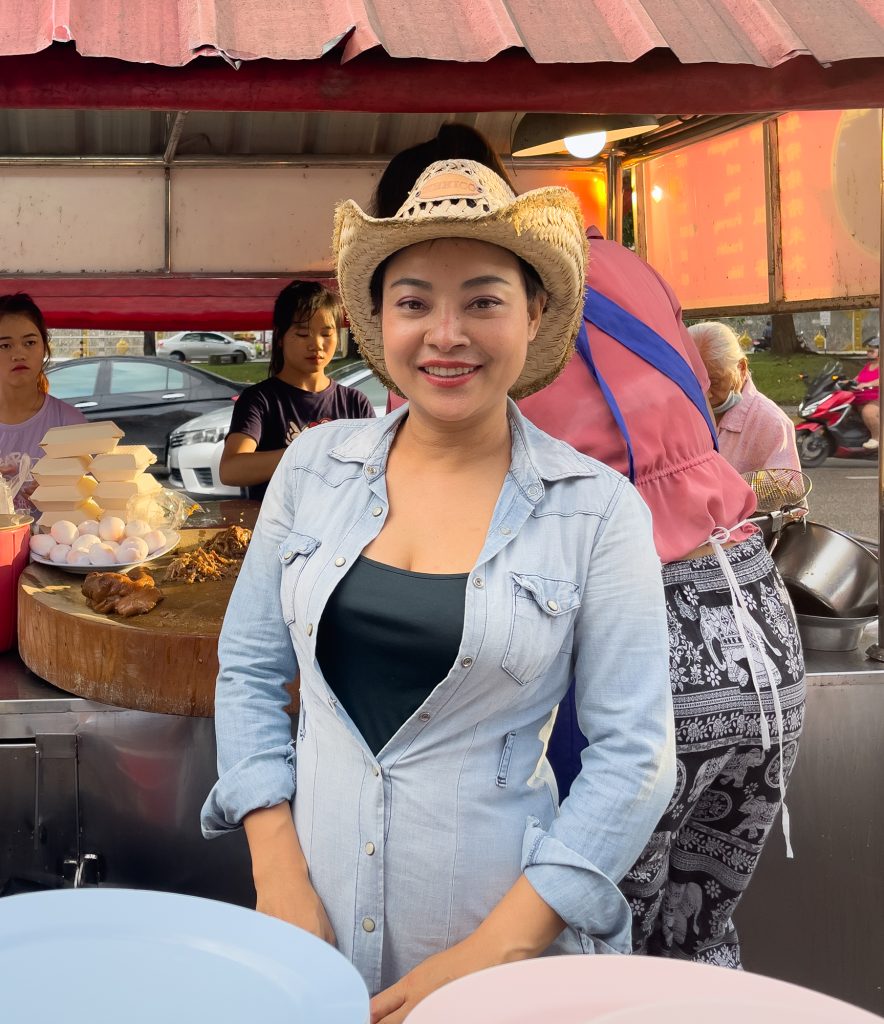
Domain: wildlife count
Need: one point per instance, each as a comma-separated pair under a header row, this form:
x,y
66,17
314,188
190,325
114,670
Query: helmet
x,y
873,342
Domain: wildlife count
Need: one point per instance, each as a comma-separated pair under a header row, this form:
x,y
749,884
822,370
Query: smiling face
x,y
22,351
456,324
309,347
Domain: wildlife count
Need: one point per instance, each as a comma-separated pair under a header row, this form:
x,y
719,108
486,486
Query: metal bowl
x,y
823,633
827,573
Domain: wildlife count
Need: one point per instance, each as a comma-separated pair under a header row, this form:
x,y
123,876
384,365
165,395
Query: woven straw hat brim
x,y
544,227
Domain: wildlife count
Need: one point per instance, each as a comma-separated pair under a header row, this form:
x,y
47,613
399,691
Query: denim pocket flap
x,y
555,597
296,544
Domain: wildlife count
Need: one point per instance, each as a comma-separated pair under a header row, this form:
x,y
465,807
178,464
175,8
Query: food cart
x,y
187,170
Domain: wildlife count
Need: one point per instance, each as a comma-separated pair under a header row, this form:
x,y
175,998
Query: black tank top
x,y
386,639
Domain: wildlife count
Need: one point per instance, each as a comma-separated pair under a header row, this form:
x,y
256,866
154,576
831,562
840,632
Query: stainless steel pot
x,y
825,633
827,573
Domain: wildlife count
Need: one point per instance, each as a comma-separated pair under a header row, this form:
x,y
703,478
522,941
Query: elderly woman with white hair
x,y
753,432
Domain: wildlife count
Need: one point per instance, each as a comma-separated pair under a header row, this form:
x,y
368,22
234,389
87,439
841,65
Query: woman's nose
x,y
446,332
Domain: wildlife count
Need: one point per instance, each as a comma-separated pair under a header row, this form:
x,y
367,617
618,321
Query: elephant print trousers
x,y
699,861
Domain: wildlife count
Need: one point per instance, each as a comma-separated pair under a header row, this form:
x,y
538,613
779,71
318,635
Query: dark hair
x,y
452,142
297,303
21,304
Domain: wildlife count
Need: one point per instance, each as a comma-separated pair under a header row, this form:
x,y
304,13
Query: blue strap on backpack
x,y
648,345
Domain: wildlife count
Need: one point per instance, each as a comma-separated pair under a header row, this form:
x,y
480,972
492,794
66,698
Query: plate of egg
x,y
95,545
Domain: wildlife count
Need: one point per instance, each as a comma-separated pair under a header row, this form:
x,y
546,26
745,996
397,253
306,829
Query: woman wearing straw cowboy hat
x,y
437,576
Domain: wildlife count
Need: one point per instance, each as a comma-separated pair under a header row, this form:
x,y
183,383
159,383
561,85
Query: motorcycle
x,y
830,421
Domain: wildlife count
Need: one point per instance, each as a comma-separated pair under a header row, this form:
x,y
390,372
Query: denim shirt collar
x,y
531,450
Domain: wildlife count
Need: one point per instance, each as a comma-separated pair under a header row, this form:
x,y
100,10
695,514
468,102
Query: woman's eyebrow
x,y
412,282
479,282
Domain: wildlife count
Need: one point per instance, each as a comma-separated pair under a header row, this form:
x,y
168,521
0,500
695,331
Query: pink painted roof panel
x,y
764,33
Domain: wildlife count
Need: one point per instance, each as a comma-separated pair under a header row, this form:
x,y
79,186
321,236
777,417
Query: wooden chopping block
x,y
164,661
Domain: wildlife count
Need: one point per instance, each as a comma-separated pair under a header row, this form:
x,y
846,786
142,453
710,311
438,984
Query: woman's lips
x,y
454,374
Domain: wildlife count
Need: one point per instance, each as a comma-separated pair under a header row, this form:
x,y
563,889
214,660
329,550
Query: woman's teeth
x,y
448,371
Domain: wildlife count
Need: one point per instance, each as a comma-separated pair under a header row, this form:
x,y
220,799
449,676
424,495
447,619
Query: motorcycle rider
x,y
868,393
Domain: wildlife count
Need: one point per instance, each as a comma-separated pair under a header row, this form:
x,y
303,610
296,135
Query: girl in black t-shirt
x,y
297,394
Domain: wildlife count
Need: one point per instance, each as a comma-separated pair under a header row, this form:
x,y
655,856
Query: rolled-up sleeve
x,y
256,758
624,708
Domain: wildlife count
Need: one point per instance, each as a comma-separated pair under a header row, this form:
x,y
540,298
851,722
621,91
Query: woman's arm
x,y
279,871
242,466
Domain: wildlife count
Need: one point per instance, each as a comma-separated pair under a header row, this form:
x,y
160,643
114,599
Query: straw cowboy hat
x,y
464,199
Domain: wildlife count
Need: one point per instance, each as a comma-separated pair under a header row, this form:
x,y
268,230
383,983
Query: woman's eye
x,y
485,303
412,305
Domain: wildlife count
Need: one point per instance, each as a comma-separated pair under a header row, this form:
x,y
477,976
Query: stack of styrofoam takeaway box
x,y
86,473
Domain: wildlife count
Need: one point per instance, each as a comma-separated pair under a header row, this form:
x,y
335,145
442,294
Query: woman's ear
x,y
743,371
535,314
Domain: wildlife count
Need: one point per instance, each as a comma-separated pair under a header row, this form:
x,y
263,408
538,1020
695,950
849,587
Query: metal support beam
x,y
615,195
876,651
174,136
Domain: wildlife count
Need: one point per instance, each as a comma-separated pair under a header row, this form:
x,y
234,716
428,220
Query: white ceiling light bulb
x,y
656,193
586,146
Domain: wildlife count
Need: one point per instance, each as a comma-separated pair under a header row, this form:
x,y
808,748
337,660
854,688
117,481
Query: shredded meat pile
x,y
230,543
198,566
115,593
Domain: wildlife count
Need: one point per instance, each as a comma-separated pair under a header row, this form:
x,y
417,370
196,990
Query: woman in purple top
x,y
297,394
27,410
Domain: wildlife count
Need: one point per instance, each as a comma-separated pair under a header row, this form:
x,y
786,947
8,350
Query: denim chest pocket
x,y
293,553
543,614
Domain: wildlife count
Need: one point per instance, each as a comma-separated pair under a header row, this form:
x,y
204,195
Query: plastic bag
x,y
16,483
164,510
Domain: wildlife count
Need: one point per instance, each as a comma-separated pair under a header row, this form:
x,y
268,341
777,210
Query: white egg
x,y
103,554
155,540
137,527
85,542
88,528
76,557
139,544
59,554
64,532
42,544
111,528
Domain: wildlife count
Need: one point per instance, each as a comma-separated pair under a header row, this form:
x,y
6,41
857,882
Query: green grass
x,y
251,373
777,376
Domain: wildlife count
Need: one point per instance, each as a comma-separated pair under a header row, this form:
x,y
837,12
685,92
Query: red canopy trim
x,y
155,303
60,78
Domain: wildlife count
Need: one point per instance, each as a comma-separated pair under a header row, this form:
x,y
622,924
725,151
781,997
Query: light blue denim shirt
x,y
410,850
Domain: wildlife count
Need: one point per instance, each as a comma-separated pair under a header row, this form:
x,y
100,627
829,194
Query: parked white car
x,y
196,346
194,449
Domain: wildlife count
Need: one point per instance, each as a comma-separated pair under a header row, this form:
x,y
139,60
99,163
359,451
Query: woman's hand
x,y
280,873
519,927
293,899
395,1003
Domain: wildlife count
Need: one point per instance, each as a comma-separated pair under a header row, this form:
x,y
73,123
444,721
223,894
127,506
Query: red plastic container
x,y
15,535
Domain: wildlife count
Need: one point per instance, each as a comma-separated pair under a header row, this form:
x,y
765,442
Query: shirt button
x,y
309,629
368,924
369,849
332,702
552,605
288,554
375,512
375,771
466,662
371,470
340,561
424,716
478,582
505,531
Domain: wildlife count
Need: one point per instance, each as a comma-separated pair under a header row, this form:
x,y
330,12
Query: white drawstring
x,y
744,622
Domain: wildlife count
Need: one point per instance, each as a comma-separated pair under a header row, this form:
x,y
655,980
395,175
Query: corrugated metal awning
x,y
764,33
